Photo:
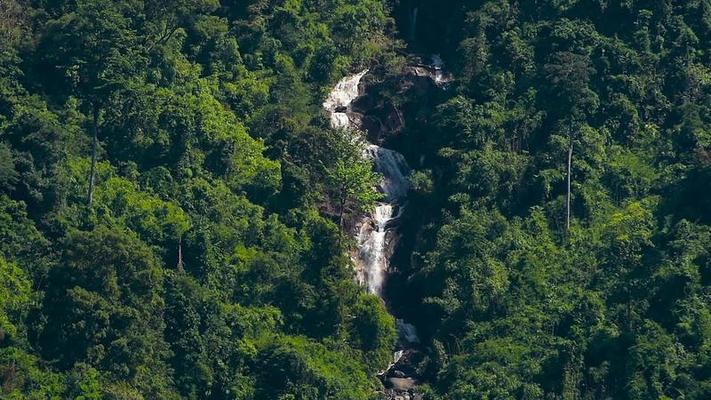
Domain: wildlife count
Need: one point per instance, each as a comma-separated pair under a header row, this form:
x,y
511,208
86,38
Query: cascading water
x,y
413,25
371,249
376,234
340,99
377,231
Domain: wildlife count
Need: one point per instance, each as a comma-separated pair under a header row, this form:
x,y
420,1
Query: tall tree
x,y
352,185
569,77
97,49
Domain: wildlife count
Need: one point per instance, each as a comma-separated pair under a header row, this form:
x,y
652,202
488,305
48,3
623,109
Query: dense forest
x,y
176,212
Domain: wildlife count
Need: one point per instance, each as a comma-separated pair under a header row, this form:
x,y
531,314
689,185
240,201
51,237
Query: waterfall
x,y
377,232
376,235
372,249
393,167
340,99
433,70
437,65
413,25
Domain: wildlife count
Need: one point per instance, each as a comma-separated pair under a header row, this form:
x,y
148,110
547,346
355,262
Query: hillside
x,y
355,199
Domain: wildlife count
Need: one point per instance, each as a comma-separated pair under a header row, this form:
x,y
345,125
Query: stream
x,y
377,232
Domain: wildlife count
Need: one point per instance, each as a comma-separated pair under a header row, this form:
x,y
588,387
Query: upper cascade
x,y
340,99
433,69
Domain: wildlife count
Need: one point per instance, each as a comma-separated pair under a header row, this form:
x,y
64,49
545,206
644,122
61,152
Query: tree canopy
x,y
176,212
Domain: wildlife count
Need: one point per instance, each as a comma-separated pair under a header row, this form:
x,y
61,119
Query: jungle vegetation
x,y
172,200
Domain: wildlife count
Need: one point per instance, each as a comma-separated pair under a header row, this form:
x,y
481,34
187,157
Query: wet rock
x,y
380,105
401,384
403,395
409,363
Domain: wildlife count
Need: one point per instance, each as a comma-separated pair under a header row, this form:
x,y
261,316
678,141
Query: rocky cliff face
x,y
377,110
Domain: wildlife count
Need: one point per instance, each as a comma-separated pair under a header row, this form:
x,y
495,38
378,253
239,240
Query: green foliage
x,y
374,331
87,384
20,240
8,174
15,296
517,305
203,237
95,48
294,367
350,179
353,185
104,308
211,263
24,377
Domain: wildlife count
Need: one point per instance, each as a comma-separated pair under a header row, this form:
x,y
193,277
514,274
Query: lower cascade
x,y
377,232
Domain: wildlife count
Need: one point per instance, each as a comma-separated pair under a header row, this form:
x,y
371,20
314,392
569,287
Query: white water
x,y
407,331
340,99
413,25
434,70
396,357
376,234
371,249
393,167
439,76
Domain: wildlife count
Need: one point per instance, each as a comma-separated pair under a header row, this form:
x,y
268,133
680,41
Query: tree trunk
x,y
94,140
341,218
567,199
181,265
